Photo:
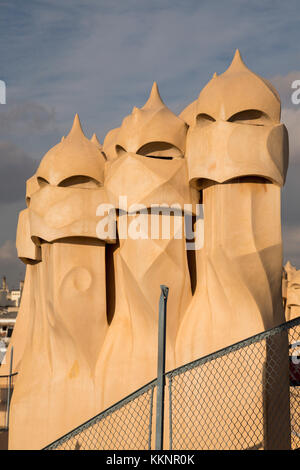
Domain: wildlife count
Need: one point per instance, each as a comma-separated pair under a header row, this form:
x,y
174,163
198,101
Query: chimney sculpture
x,y
148,173
30,254
86,334
55,389
237,155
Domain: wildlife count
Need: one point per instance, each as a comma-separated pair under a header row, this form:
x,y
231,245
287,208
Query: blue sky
x,y
99,58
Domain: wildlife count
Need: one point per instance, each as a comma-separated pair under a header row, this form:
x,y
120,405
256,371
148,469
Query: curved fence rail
x,y
125,425
245,396
6,389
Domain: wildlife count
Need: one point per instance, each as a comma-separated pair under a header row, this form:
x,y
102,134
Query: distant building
x,y
15,296
10,298
291,291
9,306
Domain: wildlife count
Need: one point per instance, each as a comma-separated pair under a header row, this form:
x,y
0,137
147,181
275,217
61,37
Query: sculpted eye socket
x,y
120,150
163,150
253,117
42,181
204,120
80,181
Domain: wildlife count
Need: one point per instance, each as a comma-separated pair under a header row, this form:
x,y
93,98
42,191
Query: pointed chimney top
x,y
95,140
154,100
288,266
237,63
76,130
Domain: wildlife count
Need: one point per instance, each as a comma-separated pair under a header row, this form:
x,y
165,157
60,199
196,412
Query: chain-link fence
x,y
125,425
294,347
246,396
6,389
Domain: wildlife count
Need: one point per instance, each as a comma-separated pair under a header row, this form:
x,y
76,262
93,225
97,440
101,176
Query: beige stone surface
x,y
32,186
241,107
68,324
144,174
237,156
27,250
109,147
63,310
153,130
96,141
240,266
74,161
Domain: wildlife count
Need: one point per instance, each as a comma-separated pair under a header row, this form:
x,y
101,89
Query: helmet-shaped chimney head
x,y
153,130
75,156
236,129
236,91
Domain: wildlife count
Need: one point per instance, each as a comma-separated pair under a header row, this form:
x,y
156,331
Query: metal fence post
x,y
159,438
9,386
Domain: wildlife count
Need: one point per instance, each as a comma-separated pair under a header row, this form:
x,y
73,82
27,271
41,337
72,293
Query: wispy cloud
x,y
10,265
283,84
8,250
15,167
25,118
291,118
100,58
291,243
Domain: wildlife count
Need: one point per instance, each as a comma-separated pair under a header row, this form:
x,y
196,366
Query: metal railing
x,y
125,425
6,389
245,396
